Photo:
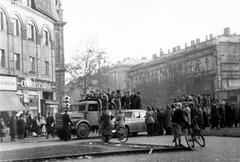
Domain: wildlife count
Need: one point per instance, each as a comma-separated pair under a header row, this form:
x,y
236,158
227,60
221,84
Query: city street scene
x,y
119,80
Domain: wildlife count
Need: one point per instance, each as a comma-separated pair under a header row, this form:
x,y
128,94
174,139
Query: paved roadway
x,y
217,149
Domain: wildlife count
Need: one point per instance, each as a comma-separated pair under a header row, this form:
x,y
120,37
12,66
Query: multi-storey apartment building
x,y
31,51
210,67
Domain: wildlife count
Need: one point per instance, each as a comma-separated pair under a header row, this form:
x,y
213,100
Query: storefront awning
x,y
10,102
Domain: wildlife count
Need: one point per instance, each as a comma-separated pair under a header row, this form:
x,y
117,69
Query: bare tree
x,y
85,67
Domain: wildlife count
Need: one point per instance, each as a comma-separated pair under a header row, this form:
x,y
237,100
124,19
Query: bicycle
x,y
194,134
120,132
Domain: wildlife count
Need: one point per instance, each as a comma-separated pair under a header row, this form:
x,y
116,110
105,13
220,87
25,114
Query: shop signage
x,y
33,83
8,83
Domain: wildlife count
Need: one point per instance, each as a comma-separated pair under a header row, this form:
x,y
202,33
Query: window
x,y
29,3
17,61
1,21
82,107
16,26
45,37
32,65
46,67
2,58
93,107
30,31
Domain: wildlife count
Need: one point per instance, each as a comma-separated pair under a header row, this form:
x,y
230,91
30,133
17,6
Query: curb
x,y
97,154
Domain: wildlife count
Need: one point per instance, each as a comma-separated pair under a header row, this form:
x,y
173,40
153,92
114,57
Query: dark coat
x,y
106,126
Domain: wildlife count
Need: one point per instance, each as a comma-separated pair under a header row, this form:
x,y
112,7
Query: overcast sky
x,y
139,28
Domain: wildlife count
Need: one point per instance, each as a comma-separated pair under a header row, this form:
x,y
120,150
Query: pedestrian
x,y
50,125
2,125
120,119
106,125
67,125
215,117
179,121
20,127
168,119
43,126
13,127
160,118
149,121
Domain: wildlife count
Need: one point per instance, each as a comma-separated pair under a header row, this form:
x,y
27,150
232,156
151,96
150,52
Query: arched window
x,y
3,24
31,31
46,37
16,26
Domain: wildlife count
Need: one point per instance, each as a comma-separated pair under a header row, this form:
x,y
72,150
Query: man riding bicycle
x,y
179,121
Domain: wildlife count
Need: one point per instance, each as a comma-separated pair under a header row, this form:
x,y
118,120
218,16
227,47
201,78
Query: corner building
x,y
31,49
211,67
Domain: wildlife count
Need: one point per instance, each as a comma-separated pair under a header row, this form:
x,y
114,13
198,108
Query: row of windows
x,y
17,62
31,30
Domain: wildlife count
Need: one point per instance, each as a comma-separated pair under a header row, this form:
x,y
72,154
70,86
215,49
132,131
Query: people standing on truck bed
x,y
67,125
115,99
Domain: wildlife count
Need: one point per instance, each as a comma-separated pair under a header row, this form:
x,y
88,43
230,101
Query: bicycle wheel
x,y
199,139
122,134
189,139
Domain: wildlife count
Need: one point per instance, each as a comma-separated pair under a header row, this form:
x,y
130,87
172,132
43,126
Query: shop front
x,y
38,96
9,102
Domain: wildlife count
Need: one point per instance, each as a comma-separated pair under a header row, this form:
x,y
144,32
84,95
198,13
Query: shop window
x,y
17,61
48,95
2,58
32,65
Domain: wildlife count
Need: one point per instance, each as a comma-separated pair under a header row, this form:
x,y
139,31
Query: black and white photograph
x,y
119,80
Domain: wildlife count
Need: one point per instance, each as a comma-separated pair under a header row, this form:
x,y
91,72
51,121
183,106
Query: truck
x,y
85,117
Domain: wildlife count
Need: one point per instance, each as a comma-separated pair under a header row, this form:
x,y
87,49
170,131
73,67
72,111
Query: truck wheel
x,y
82,131
60,134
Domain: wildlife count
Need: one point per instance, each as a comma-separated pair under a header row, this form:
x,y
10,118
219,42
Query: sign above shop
x,y
34,83
8,83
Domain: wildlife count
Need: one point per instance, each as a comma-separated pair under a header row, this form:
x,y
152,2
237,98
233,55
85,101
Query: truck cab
x,y
84,116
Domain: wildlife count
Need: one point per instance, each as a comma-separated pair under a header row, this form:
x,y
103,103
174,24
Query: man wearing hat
x,y
67,125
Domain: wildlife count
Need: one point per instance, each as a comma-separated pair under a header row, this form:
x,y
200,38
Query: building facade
x,y
118,73
211,67
31,48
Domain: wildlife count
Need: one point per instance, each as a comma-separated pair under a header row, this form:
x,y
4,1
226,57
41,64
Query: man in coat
x,y
67,125
50,125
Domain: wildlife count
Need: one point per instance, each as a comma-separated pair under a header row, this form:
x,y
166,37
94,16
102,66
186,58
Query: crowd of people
x,y
207,109
23,125
116,99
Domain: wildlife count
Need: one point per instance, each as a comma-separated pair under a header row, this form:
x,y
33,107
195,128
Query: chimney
x,y
210,36
206,38
197,41
192,43
226,31
178,48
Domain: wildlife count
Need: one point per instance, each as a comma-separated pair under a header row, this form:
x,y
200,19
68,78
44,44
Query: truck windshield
x,y
74,108
82,107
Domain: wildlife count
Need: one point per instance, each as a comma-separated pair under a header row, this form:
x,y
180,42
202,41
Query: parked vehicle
x,y
84,116
135,121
